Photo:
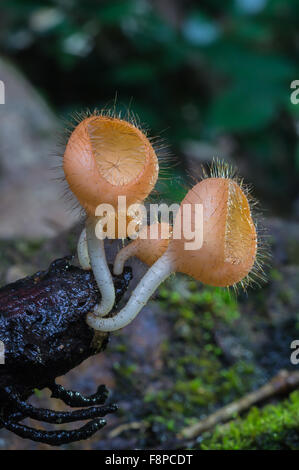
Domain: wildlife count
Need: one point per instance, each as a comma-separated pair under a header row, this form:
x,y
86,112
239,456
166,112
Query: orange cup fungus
x,y
229,244
105,158
225,257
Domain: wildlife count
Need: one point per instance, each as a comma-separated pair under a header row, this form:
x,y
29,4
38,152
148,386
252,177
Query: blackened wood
x,y
43,328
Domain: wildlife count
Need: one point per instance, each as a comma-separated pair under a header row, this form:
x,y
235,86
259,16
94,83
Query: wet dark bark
x,y
43,328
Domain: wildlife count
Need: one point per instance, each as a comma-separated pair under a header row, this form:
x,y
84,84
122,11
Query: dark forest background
x,y
211,77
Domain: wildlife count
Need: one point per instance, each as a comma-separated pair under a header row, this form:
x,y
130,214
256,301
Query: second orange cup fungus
x,y
229,235
225,257
107,158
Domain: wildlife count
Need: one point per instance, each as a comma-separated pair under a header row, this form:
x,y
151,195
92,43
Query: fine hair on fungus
x,y
106,157
229,252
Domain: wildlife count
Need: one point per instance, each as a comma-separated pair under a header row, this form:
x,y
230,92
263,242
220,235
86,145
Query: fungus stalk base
x,y
82,251
100,269
160,271
122,256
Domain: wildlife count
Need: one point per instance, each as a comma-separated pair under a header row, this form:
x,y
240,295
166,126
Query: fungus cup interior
x,y
106,158
229,235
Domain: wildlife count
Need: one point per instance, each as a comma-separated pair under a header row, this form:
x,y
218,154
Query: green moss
x,y
193,360
293,250
273,427
221,303
121,348
168,424
286,296
28,248
126,370
72,240
196,373
16,250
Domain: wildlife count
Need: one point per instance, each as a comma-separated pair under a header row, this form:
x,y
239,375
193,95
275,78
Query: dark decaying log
x,y
43,328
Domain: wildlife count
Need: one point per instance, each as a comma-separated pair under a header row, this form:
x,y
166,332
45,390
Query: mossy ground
x,y
212,348
212,356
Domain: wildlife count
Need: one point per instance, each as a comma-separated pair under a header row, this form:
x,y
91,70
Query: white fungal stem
x,y
82,251
160,270
123,255
100,269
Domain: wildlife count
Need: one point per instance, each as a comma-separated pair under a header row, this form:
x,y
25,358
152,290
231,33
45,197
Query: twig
x,y
133,426
283,382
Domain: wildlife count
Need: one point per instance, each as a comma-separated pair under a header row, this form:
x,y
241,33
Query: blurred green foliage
x,y
191,70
